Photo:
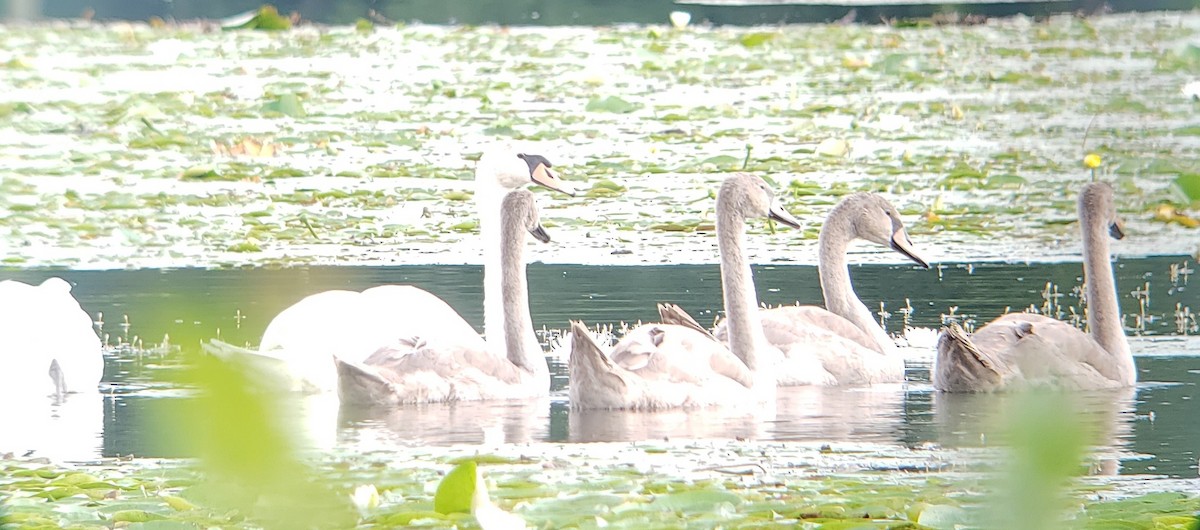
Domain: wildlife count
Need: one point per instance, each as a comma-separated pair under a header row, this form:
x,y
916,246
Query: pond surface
x,y
1150,431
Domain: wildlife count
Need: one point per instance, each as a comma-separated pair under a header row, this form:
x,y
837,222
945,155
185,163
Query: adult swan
x,y
47,344
301,341
432,369
1022,349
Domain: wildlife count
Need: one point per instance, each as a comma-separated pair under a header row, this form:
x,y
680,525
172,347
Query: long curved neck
x,y
517,323
1104,313
741,301
488,199
840,298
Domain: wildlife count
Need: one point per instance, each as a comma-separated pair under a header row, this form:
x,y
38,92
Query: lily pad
x,y
456,490
612,104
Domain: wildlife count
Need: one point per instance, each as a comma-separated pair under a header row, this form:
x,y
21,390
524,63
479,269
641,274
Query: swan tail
x,y
669,313
595,382
962,366
363,385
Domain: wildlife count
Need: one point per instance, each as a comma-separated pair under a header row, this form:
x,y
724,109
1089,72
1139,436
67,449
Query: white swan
x,y
661,366
47,344
300,342
1021,349
443,368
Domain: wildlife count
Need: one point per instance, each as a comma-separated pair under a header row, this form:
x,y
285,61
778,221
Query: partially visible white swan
x,y
1021,349
661,366
443,368
47,344
841,344
301,341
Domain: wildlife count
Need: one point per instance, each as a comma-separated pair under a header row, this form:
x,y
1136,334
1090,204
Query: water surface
x,y
1152,430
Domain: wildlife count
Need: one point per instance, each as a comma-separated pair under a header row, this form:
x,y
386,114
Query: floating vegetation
x,y
822,110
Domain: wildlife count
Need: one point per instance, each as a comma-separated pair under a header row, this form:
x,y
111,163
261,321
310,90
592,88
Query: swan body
x,y
48,347
662,366
1020,350
840,344
301,341
442,368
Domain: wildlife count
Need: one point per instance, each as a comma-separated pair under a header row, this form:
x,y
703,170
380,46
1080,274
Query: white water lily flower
x,y
365,498
490,516
680,19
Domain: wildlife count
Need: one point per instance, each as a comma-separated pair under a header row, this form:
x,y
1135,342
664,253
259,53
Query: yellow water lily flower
x,y
1092,161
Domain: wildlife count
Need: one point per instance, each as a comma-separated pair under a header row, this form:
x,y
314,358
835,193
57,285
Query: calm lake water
x,y
1150,431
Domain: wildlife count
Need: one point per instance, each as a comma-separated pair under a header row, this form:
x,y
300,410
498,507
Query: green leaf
x,y
696,501
267,19
285,104
200,173
943,517
1188,185
456,490
611,104
1006,181
754,40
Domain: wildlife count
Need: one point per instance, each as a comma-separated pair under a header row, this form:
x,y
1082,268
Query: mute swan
x,y
841,344
660,366
299,342
49,347
444,368
1021,349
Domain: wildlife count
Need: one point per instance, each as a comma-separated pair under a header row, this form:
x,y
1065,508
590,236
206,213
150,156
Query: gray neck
x,y
1104,313
737,284
840,298
518,325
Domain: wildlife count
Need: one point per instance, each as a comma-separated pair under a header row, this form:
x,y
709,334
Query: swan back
x,y
49,346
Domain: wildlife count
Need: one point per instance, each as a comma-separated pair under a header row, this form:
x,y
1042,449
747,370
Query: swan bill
x,y
542,175
539,233
1117,230
779,214
901,244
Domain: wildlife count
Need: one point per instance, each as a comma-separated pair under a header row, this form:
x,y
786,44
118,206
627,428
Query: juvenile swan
x,y
300,342
1021,349
841,344
47,344
443,368
659,366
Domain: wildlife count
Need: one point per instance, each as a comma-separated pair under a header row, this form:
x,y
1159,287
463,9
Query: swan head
x,y
749,196
508,168
1096,200
520,209
874,219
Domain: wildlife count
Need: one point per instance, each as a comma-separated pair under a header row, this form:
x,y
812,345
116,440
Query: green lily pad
x,y
285,104
611,104
456,490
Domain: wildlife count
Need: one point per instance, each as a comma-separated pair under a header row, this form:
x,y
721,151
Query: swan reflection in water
x,y
871,414
978,420
68,428
813,414
465,422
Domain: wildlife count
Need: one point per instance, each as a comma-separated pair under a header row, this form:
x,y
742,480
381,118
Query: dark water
x,y
1153,430
581,12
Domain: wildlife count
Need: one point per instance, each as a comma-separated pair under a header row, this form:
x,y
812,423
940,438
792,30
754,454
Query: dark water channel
x,y
1155,430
